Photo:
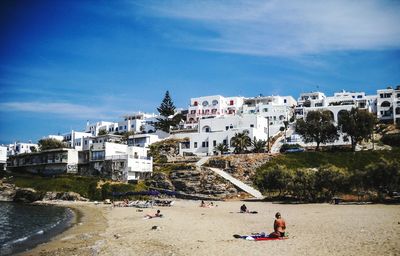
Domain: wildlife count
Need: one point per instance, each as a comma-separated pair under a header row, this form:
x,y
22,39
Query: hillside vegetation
x,y
93,188
319,176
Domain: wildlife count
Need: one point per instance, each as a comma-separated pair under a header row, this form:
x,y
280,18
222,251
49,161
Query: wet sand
x,y
187,229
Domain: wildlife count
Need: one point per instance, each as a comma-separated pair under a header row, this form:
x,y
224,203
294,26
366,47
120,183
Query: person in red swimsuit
x,y
279,226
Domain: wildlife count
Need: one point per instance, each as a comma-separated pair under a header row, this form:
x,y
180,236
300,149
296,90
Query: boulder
x,y
7,192
27,195
66,196
71,196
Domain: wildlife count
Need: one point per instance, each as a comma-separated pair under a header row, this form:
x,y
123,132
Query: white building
x,y
277,108
3,157
212,120
95,128
341,101
212,106
48,162
388,105
76,139
126,163
21,148
142,140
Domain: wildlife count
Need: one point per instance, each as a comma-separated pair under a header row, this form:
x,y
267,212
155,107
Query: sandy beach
x,y
187,229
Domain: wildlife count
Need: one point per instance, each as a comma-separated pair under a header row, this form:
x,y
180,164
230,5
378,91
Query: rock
x,y
67,196
27,195
7,192
72,196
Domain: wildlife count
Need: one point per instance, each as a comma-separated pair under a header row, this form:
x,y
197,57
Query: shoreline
x,y
85,229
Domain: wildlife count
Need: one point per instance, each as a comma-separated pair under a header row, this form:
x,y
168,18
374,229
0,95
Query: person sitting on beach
x,y
203,204
158,214
279,226
243,209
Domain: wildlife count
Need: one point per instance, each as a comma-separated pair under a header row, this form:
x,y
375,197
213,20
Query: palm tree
x,y
241,141
221,148
258,145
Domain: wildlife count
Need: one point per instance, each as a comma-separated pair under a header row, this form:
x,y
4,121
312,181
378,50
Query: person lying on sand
x,y
204,205
279,226
150,216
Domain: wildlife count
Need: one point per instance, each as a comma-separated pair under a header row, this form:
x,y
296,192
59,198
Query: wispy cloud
x,y
62,109
280,28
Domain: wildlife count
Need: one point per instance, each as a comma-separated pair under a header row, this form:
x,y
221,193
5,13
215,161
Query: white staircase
x,y
246,188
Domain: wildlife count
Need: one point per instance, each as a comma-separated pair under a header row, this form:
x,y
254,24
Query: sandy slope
x,y
186,229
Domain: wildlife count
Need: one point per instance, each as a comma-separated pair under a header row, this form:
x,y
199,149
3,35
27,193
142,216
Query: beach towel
x,y
258,237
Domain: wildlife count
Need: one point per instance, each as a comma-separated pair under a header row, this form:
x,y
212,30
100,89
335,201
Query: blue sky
x,y
65,62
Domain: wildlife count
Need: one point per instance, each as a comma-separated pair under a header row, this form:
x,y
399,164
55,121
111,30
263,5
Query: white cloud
x,y
280,28
61,109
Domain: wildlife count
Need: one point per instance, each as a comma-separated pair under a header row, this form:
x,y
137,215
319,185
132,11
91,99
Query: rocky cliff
x,y
242,167
193,181
10,193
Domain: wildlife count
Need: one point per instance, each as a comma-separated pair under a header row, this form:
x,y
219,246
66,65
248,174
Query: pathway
x,y
246,188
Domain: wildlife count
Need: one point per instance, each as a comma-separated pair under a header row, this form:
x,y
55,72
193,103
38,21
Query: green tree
x,y
302,184
275,179
357,124
50,143
222,148
258,145
103,132
317,127
384,176
168,118
330,179
241,141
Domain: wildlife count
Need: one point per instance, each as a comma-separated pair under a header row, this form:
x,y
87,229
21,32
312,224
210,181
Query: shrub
x,y
391,139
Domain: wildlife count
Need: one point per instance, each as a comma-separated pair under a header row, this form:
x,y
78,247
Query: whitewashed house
x,y
3,157
110,158
388,105
47,162
76,139
212,120
340,101
21,148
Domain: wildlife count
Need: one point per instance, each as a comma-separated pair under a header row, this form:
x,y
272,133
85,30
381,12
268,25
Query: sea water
x,y
23,226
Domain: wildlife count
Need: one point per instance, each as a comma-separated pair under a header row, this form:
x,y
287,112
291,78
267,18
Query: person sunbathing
x,y
150,216
204,205
279,226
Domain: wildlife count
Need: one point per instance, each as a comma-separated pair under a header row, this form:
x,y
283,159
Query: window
x,y
203,144
125,127
359,96
231,102
214,143
192,111
225,142
195,145
285,101
252,126
205,103
215,102
265,110
195,103
226,127
120,127
132,126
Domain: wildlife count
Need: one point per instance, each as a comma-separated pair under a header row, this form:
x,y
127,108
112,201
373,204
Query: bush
x,y
391,139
